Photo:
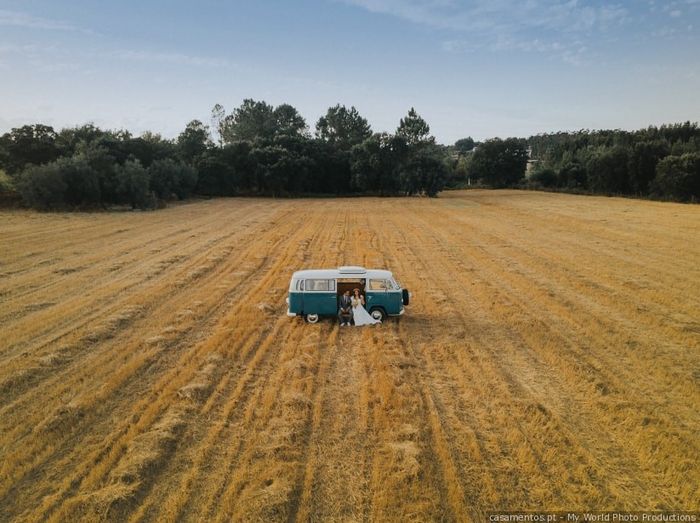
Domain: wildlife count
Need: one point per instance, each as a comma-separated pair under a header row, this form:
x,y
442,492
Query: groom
x,y
345,309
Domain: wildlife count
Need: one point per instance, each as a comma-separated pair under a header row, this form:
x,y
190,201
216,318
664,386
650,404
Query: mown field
x,y
550,358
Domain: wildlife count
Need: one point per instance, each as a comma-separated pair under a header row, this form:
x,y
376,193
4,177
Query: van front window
x,y
377,285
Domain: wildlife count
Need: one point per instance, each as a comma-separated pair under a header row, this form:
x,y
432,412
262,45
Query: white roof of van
x,y
343,272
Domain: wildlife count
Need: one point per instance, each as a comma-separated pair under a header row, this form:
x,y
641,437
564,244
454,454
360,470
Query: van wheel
x,y
405,296
378,314
312,318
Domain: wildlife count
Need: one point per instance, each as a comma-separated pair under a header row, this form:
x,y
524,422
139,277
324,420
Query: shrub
x,y
168,178
43,186
82,182
79,184
6,184
132,185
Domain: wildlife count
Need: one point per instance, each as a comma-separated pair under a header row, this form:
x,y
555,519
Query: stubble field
x,y
550,359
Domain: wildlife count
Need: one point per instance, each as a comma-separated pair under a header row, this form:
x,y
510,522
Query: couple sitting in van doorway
x,y
351,309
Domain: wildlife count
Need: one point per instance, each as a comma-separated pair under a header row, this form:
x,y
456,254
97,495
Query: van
x,y
316,292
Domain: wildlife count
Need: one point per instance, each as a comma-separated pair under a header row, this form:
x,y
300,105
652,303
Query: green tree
x,y
464,145
43,186
83,180
544,177
68,139
414,129
132,185
572,175
272,169
115,143
6,183
29,144
332,169
423,172
607,170
168,177
102,163
678,177
680,148
499,163
193,142
214,175
147,148
375,164
83,184
288,121
343,127
251,121
422,169
241,161
643,158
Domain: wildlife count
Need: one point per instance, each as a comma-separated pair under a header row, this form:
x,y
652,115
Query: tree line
x,y
261,150
658,162
256,150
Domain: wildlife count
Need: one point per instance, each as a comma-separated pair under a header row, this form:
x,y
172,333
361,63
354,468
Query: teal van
x,y
315,293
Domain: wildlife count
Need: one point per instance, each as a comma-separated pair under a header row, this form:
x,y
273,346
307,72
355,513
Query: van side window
x,y
320,285
300,285
377,285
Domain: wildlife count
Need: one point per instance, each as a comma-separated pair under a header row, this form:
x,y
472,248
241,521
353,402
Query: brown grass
x,y
549,359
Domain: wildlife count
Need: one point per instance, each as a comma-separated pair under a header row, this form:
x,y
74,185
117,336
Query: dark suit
x,y
344,309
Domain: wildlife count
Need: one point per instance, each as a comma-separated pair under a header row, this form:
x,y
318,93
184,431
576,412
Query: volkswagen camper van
x,y
316,292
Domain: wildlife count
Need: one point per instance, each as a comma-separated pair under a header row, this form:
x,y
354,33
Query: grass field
x,y
550,358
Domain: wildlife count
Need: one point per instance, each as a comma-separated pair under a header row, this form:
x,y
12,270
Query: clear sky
x,y
470,67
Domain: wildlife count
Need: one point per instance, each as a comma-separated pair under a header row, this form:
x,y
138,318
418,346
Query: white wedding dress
x,y
360,314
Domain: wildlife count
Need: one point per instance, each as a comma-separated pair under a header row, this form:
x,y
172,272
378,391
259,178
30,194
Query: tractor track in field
x,y
133,376
550,358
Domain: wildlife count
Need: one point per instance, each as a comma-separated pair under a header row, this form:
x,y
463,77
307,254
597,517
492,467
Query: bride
x,y
359,314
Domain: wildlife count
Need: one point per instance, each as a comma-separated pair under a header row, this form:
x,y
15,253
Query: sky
x,y
480,68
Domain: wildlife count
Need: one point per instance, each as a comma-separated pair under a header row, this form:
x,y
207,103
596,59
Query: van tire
x,y
312,318
406,296
378,314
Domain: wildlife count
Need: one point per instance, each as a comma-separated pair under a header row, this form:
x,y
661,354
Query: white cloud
x,y
56,58
27,21
487,15
547,26
172,58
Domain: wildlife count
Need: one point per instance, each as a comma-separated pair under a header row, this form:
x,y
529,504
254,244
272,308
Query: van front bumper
x,y
291,314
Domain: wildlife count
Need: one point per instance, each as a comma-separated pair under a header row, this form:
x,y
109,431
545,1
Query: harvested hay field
x,y
550,359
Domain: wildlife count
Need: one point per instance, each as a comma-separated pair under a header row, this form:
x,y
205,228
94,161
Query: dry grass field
x,y
550,359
